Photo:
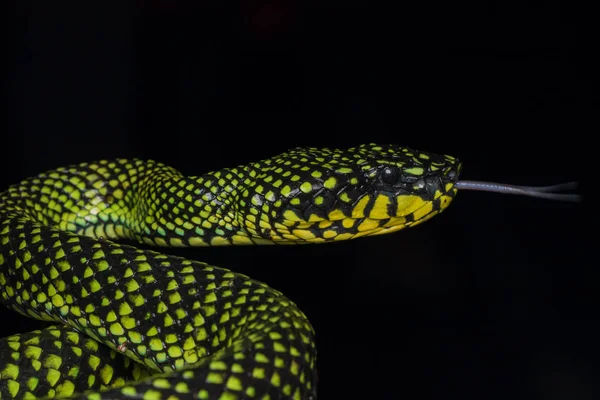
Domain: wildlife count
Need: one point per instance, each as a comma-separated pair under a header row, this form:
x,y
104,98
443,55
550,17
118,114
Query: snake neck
x,y
169,209
144,201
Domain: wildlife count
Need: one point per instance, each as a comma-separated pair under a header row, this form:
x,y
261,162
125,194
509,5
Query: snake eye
x,y
389,175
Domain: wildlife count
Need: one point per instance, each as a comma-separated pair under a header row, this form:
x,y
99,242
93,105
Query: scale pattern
x,y
59,359
191,329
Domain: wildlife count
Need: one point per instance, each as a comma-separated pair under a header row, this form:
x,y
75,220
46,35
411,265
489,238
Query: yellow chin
x,y
411,210
410,205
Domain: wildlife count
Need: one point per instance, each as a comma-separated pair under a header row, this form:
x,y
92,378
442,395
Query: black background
x,y
494,299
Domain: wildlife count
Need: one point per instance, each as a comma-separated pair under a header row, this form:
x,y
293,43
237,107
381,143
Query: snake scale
x,y
187,329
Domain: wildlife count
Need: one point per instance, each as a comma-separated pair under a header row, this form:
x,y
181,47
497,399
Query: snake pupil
x,y
389,175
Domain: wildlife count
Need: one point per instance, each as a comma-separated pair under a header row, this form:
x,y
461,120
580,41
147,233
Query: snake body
x,y
134,323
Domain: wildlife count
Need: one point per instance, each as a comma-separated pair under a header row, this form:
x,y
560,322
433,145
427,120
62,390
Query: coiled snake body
x,y
187,329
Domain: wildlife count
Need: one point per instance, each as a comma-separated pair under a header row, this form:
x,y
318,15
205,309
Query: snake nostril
x,y
432,185
420,184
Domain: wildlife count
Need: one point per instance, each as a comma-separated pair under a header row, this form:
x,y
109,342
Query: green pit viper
x,y
133,323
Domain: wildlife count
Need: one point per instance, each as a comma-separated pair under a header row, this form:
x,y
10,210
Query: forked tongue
x,y
544,192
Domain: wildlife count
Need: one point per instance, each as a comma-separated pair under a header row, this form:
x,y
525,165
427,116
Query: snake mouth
x,y
373,214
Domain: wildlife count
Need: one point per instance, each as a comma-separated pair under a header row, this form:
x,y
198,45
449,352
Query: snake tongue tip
x,y
544,192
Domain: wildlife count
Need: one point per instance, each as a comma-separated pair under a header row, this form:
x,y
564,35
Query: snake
x,y
126,321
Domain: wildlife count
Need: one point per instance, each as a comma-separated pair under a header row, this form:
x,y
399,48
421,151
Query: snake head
x,y
311,195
